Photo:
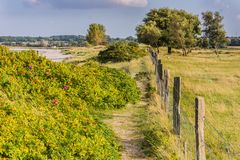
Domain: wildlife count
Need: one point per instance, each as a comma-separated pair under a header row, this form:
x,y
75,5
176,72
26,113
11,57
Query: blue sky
x,y
55,17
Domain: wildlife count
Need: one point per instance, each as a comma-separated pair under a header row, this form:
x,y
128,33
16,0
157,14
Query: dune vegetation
x,y
46,107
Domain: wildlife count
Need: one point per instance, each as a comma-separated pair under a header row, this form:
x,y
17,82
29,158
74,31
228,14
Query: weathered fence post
x,y
155,57
159,61
199,128
176,105
152,57
157,76
166,89
160,69
160,77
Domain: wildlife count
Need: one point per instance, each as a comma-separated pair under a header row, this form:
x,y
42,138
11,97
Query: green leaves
x,y
214,29
149,33
169,27
44,108
121,51
96,34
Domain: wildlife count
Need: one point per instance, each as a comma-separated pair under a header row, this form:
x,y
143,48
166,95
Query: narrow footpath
x,y
126,125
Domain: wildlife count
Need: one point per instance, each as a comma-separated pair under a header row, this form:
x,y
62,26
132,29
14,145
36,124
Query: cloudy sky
x,y
54,17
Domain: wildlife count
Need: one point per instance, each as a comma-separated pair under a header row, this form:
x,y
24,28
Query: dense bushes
x,y
121,51
28,132
44,107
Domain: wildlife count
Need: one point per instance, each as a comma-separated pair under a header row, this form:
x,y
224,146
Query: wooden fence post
x,y
176,105
199,128
152,56
160,77
159,61
166,89
160,69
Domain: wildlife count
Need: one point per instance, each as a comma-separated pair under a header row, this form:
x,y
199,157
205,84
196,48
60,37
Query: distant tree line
x,y
234,41
58,41
67,38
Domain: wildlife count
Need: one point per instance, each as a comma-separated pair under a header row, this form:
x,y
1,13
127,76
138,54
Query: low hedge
x,y
121,51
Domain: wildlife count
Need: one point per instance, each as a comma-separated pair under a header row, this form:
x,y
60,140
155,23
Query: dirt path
x,y
126,125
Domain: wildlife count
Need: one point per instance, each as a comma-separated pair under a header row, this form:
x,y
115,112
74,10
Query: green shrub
x,y
121,51
44,107
52,133
3,49
107,88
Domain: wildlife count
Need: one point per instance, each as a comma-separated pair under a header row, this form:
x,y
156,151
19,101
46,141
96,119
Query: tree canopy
x,y
169,27
214,29
96,34
148,33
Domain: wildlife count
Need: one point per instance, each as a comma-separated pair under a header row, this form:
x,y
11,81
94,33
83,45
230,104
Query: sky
x,y
120,17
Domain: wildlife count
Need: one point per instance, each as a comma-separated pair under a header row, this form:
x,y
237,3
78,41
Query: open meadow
x,y
217,79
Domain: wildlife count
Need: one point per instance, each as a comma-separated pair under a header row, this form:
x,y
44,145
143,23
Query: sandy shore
x,y
52,54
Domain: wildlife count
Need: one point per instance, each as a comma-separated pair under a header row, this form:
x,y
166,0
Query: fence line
x,y
163,83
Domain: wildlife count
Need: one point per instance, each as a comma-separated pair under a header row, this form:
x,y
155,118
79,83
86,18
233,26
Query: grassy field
x,y
203,73
217,79
82,54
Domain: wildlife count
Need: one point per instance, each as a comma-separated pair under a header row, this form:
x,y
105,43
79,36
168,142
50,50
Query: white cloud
x,y
132,3
33,2
85,4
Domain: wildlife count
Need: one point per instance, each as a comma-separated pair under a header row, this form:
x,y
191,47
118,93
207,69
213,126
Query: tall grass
x,y
217,80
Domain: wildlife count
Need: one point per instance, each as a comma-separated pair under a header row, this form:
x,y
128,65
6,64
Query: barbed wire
x,y
228,146
221,134
230,154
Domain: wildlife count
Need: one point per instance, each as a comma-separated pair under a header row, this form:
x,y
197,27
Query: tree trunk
x,y
184,52
158,50
169,50
216,50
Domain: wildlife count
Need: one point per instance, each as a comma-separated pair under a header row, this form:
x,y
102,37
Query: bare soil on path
x,y
126,124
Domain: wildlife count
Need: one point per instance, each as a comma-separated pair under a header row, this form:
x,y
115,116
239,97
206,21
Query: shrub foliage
x,y
121,51
44,107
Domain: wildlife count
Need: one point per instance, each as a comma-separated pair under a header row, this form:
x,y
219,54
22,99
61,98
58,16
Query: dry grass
x,y
217,79
82,54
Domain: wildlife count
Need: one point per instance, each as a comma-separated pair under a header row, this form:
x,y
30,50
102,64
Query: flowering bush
x,y
44,107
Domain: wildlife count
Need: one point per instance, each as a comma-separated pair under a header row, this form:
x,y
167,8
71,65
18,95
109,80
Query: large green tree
x,y
96,34
183,30
174,28
149,34
214,30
